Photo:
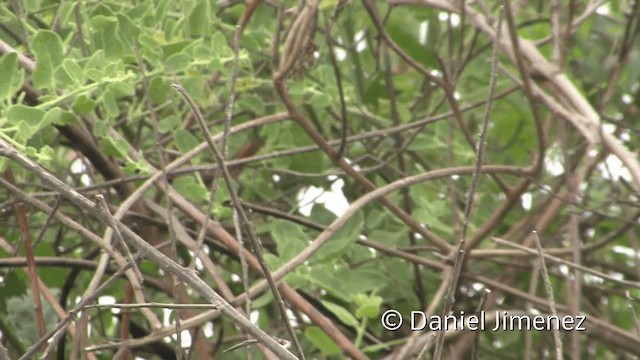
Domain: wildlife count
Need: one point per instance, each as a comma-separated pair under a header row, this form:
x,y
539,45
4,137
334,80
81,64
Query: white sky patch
x,y
624,136
603,9
361,43
455,19
553,162
423,31
526,200
108,300
208,329
185,339
564,269
627,99
333,199
625,251
614,168
340,54
77,167
609,128
199,264
254,317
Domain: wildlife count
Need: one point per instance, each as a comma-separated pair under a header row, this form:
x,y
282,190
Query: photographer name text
x,y
498,321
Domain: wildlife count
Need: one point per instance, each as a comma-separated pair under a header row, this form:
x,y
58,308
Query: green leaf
x,y
62,78
100,128
368,306
341,313
190,189
324,276
199,21
345,236
320,100
178,62
84,105
105,34
404,28
290,238
322,341
321,215
185,141
253,103
52,116
110,104
121,88
93,68
13,77
94,74
74,71
168,124
219,45
28,119
47,48
121,146
150,50
159,88
66,118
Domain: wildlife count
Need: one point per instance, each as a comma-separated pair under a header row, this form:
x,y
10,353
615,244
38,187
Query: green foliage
x,y
99,106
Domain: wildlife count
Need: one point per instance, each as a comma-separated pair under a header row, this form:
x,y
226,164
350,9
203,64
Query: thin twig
x,y
549,289
103,204
255,242
459,256
476,343
146,249
569,264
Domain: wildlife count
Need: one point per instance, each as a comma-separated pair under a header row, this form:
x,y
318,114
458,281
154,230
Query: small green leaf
x,y
52,116
178,62
94,74
194,85
290,238
320,100
13,77
150,49
62,78
168,124
24,132
344,237
100,128
368,306
29,115
219,44
322,341
96,61
121,88
253,103
159,89
84,105
189,188
199,21
185,141
74,71
110,104
47,48
122,146
341,313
